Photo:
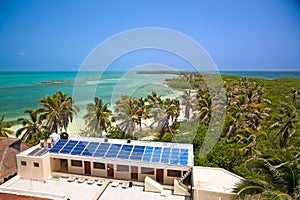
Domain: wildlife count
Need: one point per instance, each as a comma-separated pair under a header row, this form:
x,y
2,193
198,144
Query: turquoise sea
x,y
20,91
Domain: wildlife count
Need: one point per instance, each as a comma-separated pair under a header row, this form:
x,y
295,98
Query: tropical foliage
x,y
5,130
261,135
30,127
57,111
98,118
260,138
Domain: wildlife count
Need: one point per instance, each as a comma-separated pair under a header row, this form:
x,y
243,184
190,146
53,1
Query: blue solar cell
x,y
184,161
183,157
102,149
156,154
173,156
68,147
166,155
58,145
113,150
174,160
137,153
184,150
89,150
79,148
148,154
125,151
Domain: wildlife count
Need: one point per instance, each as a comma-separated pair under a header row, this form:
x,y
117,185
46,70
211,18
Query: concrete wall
x,y
169,180
143,176
152,186
42,172
75,169
122,175
55,164
98,172
180,188
209,195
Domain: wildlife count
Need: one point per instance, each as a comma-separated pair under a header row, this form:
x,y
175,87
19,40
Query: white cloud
x,y
22,53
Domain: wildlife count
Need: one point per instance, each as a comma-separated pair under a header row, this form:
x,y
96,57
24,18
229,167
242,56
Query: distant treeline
x,y
166,72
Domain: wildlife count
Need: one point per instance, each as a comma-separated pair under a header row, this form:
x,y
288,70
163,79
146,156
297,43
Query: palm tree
x,y
205,105
58,111
126,114
142,111
278,177
188,101
98,118
171,112
294,94
30,127
286,123
155,108
5,130
248,145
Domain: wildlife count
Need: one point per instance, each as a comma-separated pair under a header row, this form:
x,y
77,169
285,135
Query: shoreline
x,y
78,123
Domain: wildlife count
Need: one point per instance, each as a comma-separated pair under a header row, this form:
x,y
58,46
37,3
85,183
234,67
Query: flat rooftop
x,y
60,188
158,153
137,193
214,179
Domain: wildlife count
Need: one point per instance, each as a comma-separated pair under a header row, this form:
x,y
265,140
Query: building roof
x,y
214,179
9,148
144,152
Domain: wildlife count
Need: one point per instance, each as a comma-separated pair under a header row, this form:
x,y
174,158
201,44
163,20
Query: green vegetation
x,y
55,113
261,135
98,118
5,130
260,138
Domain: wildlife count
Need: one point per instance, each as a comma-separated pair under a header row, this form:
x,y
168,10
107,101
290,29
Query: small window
x,y
147,170
23,163
174,173
76,163
35,164
123,168
98,165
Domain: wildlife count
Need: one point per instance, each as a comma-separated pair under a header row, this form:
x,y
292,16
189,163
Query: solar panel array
x,y
38,152
165,155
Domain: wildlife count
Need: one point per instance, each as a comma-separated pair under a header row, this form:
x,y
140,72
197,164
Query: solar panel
x,y
156,154
137,152
68,147
113,150
174,156
34,152
166,155
41,152
183,157
125,151
89,150
102,149
148,154
79,148
57,146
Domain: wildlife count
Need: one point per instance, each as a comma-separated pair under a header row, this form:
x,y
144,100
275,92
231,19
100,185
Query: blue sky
x,y
238,35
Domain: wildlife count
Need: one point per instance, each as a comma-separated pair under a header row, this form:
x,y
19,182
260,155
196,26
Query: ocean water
x,y
265,74
19,91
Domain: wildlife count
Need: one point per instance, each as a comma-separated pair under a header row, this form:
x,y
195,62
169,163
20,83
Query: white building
x,y
154,164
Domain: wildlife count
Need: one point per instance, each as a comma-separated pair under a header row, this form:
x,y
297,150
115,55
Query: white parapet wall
x,y
152,186
180,188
